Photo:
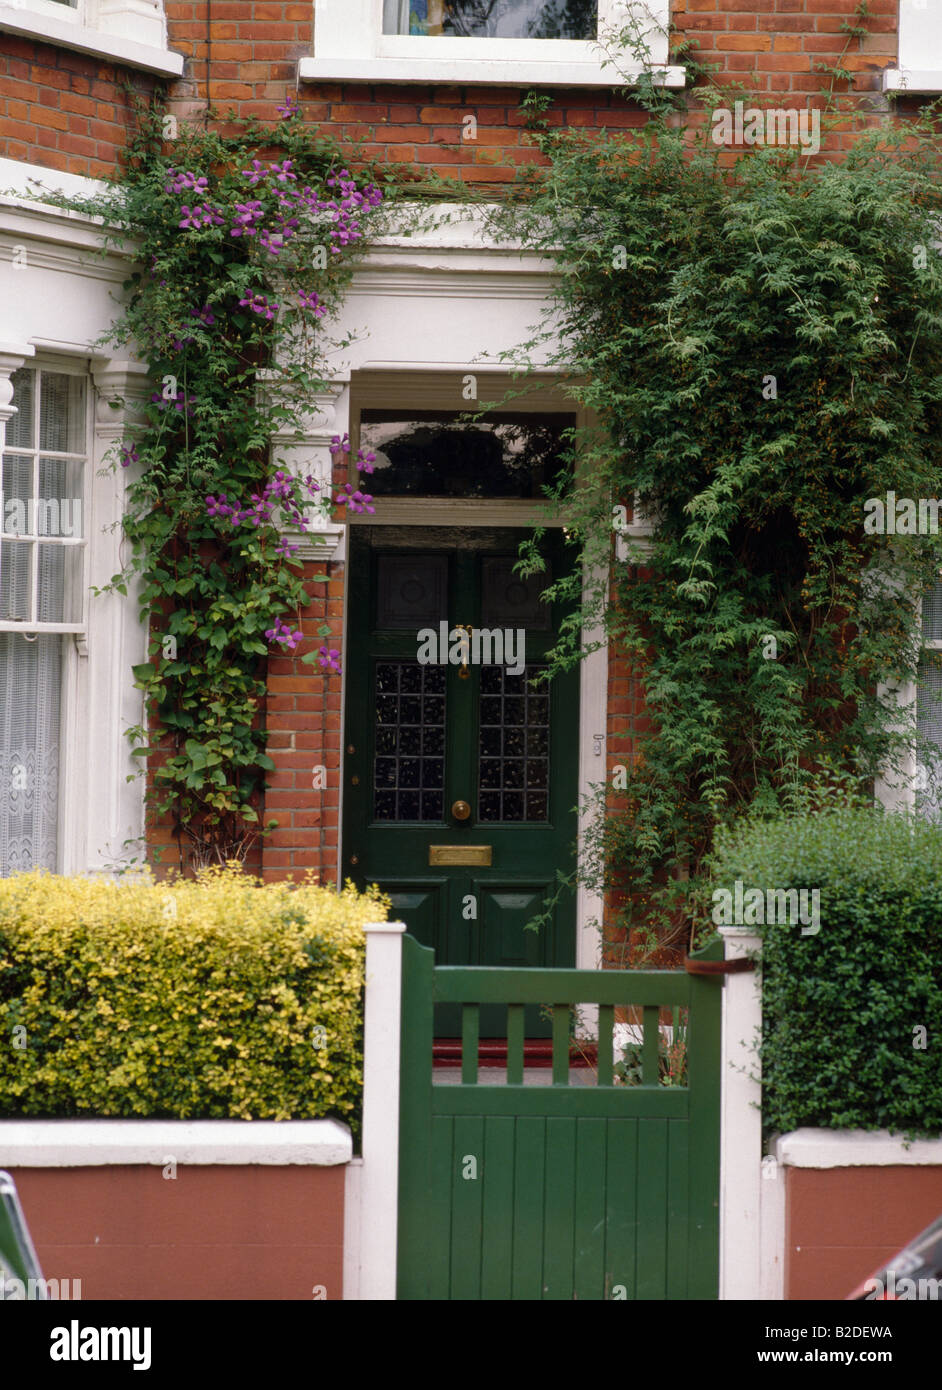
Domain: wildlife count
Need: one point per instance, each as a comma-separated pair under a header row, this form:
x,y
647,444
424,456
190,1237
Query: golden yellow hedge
x,y
208,999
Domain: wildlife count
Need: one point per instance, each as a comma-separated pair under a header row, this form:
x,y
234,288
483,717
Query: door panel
x,y
423,736
505,912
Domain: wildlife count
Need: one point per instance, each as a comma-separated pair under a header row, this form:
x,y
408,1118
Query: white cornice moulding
x,y
124,51
96,1143
496,72
855,1148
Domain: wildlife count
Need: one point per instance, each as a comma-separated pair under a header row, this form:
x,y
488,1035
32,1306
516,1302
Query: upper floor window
x,y
556,43
129,32
490,19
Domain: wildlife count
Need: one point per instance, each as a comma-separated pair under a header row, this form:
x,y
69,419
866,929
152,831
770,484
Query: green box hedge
x,y
207,999
852,1014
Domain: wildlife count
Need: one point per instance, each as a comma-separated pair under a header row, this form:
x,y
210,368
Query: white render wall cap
x,y
385,927
854,1148
96,1143
482,72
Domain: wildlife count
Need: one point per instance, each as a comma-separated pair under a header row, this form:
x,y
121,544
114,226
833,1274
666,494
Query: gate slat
x,y
560,1044
467,1207
529,1173
649,1046
589,1241
652,1209
606,1044
621,1207
559,1208
498,1220
470,1028
436,1236
678,1208
514,1044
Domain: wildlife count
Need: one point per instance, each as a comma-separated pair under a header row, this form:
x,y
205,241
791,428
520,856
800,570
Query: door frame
x,y
442,390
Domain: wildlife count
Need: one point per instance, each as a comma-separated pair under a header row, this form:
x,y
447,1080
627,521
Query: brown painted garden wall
x,y
843,1224
217,1231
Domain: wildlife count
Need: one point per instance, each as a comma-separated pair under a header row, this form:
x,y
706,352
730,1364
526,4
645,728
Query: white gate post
x,y
379,1174
740,1125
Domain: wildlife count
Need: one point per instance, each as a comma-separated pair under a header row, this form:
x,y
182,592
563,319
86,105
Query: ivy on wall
x,y
759,339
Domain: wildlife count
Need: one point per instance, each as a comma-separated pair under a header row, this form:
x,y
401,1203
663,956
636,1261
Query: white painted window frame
x,y
898,793
68,366
69,795
926,647
132,33
101,823
920,49
350,46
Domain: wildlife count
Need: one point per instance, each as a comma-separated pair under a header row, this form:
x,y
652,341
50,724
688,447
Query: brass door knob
x,y
460,810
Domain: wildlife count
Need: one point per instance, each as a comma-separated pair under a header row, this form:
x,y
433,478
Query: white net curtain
x,y
40,583
30,696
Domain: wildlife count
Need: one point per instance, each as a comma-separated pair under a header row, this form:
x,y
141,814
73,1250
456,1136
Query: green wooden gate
x,y
519,1190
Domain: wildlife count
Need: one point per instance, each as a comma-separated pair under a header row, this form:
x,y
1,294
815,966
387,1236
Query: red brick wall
x,y
304,733
67,110
62,110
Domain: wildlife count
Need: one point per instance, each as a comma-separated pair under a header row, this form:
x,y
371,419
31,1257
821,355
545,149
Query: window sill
x,y
479,72
84,40
915,80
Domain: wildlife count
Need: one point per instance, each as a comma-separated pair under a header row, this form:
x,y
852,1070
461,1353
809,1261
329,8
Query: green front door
x,y
460,780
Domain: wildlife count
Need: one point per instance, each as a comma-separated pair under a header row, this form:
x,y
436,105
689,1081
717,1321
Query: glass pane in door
x,y
513,746
409,761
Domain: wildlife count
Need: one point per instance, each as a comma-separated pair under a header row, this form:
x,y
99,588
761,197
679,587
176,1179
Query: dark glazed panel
x,y
408,765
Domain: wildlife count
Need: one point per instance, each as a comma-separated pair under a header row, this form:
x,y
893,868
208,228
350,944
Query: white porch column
x,y
372,1269
740,1126
306,452
105,820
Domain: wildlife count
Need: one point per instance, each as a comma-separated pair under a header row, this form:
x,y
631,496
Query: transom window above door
x,y
554,43
426,453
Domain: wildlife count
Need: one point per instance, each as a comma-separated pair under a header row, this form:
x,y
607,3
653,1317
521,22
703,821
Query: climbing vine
x,y
759,340
242,260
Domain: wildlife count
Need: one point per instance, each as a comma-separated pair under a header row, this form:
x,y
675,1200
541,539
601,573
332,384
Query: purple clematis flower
x,y
259,304
312,301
